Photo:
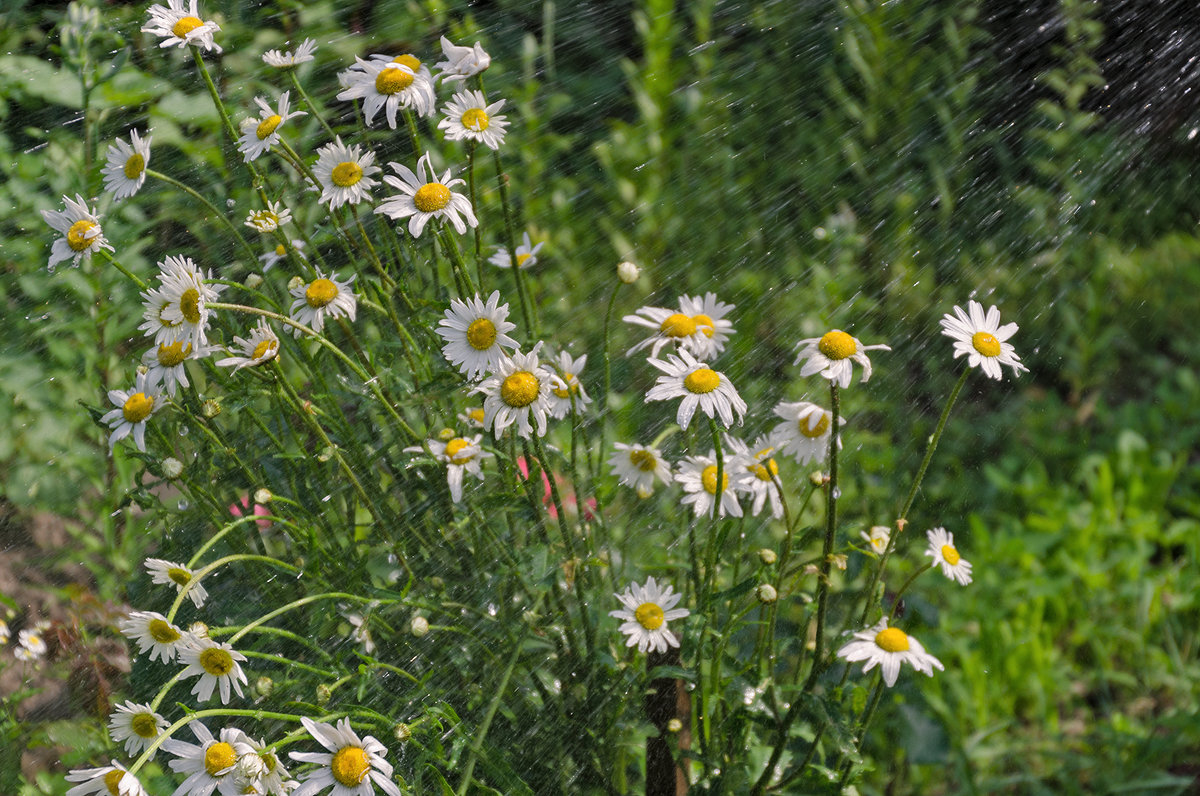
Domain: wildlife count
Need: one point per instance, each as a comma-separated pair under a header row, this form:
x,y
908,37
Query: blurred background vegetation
x,y
858,164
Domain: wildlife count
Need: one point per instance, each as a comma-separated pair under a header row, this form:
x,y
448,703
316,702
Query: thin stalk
x,y
136,279
333,595
481,733
830,533
237,233
220,562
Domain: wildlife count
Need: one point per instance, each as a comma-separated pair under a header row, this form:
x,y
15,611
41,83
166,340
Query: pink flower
x,y
238,510
570,503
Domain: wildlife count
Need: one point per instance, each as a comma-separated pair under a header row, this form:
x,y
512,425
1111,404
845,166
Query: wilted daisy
x,y
216,664
670,326
461,62
287,59
461,455
30,644
570,394
698,475
80,229
180,26
476,334
125,170
831,356
518,392
712,328
353,766
390,85
259,768
111,780
756,471
134,408
888,647
344,173
468,116
209,764
637,466
261,346
647,610
185,290
136,726
324,296
944,554
805,432
878,538
280,252
982,339
154,634
168,572
699,386
270,219
424,196
526,254
259,135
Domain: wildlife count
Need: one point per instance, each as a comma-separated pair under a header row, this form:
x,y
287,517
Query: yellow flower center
x,y
269,761
144,725
189,305
280,250
135,166
393,81
263,349
950,554
765,471
572,387
705,324
475,119
346,174
137,407
409,60
837,345
986,344
349,766
179,575
454,447
678,325
77,236
649,616
521,258
702,380
216,661
643,460
268,125
185,26
112,780
477,415
481,334
171,355
811,431
520,389
162,632
219,757
431,197
892,639
162,319
709,478
320,293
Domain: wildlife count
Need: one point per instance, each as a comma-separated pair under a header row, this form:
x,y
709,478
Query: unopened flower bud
x,y
262,495
446,434
817,478
766,593
172,468
263,686
248,768
253,281
674,725
324,694
199,630
420,626
295,283
627,272
210,408
767,556
402,732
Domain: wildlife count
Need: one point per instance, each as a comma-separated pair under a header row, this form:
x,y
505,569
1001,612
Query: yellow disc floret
x,y
571,387
765,471
112,781
892,639
219,757
280,250
708,477
320,293
811,430
837,345
409,60
986,344
264,349
162,632
346,174
392,81
481,334
134,166
171,355
475,119
649,616
216,661
179,575
144,725
184,26
189,305
137,407
349,766
643,460
678,325
705,324
520,389
78,237
431,197
702,380
950,554
455,448
268,125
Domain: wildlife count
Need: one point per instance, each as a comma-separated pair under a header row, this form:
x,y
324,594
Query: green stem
x,y
201,714
333,595
481,733
136,279
196,576
830,532
237,233
311,105
511,243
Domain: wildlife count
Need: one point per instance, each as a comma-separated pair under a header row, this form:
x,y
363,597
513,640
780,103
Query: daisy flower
x,y
209,764
755,472
168,572
469,116
699,386
878,538
344,173
216,664
154,634
461,455
261,346
165,365
423,196
805,432
280,252
324,296
30,644
698,475
112,779
982,339
669,326
390,85
461,62
180,26
476,334
888,647
259,135
526,254
709,316
646,612
570,393
518,392
258,767
472,418
831,355
941,549
134,408
183,291
272,218
125,170
135,725
636,466
5,633
287,59
352,767
80,229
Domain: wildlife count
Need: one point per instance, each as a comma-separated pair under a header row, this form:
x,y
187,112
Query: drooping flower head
x,y
261,346
111,780
805,431
168,572
461,62
636,466
289,60
526,254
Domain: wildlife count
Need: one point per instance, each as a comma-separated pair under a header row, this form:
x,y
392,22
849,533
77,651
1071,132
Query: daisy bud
x,y
674,725
210,408
420,626
839,560
766,593
402,732
627,272
263,686
767,556
262,495
817,478
324,693
199,630
172,468
253,281
446,434
296,283
325,455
